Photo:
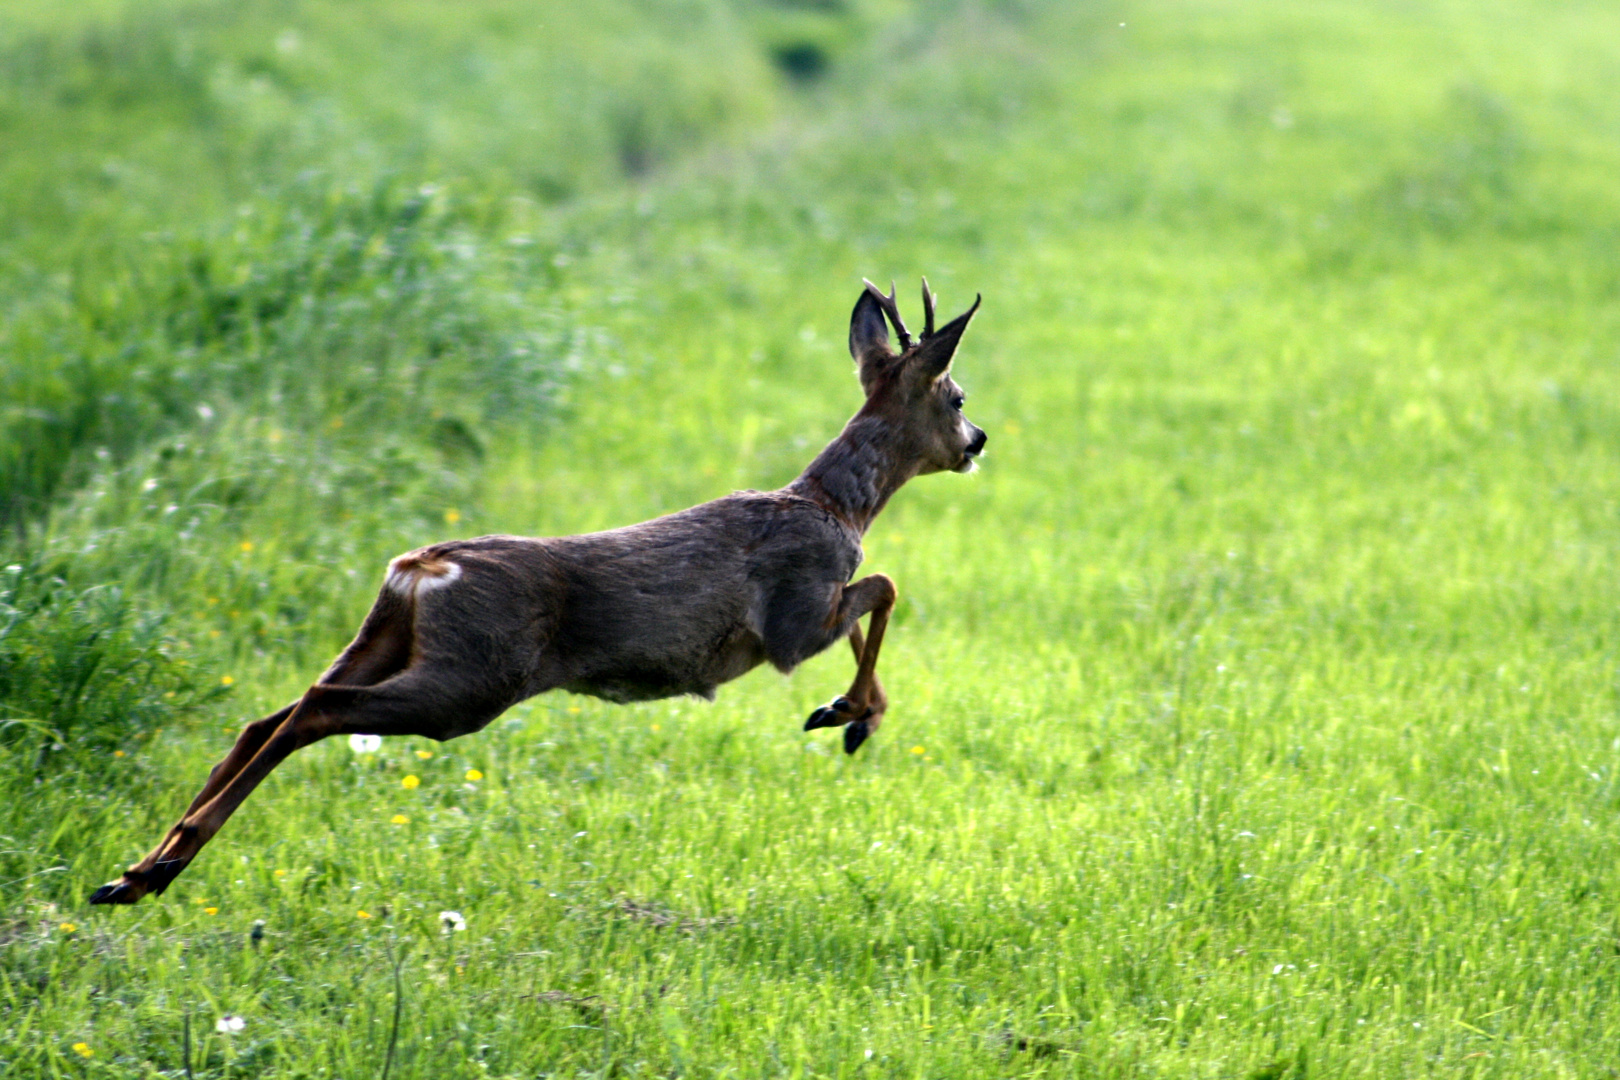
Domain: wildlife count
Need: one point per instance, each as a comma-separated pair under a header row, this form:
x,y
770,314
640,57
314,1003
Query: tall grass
x,y
323,305
82,675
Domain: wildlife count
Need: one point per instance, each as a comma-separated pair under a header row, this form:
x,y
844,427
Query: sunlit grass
x,y
1254,707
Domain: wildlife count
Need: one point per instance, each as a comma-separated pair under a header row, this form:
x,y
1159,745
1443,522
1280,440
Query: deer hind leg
x,y
381,649
419,701
861,710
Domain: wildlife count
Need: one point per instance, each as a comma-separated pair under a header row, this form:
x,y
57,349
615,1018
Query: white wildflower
x,y
451,922
365,744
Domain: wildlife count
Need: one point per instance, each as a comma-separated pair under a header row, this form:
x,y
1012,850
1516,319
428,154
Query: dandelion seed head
x,y
365,744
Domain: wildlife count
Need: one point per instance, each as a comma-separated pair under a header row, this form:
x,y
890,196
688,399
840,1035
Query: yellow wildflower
x,y
118,753
210,911
281,873
247,545
399,819
363,914
918,750
82,1049
412,782
68,928
424,754
227,680
452,516
474,774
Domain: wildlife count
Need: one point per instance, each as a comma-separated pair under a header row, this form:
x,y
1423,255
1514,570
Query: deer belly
x,y
699,673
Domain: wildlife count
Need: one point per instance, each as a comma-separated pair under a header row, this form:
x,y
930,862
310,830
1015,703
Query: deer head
x,y
912,389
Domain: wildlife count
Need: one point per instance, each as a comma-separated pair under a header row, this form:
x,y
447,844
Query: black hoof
x,y
834,714
854,735
115,892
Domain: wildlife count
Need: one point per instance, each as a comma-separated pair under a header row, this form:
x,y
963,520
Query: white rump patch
x,y
408,576
428,580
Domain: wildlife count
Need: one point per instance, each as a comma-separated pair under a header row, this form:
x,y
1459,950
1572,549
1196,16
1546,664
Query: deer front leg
x,y
860,711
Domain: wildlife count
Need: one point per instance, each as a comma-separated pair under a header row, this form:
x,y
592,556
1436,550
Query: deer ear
x,y
868,332
935,351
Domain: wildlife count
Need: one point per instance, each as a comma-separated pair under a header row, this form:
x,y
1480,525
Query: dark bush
x,y
802,60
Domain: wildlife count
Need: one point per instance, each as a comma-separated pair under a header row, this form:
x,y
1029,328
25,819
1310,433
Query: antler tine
x,y
928,311
891,308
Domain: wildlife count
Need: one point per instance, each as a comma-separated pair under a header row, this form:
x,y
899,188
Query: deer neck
x,y
857,472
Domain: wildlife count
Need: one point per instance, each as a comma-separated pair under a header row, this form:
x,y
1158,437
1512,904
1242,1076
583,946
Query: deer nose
x,y
979,439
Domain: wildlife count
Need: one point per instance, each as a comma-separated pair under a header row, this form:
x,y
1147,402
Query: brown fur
x,y
463,630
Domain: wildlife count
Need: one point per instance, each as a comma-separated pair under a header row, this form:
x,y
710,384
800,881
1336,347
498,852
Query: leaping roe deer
x,y
463,630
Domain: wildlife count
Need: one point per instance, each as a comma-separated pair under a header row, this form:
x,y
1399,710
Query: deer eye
x,y
956,402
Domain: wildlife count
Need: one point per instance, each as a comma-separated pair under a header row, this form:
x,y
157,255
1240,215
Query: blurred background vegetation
x,y
1255,707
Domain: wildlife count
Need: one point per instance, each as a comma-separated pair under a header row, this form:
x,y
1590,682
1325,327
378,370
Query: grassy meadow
x,y
1255,707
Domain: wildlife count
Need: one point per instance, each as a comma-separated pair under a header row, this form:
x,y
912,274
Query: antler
x,y
892,310
928,310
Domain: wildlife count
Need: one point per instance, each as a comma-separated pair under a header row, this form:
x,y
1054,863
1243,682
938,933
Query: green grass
x,y
1255,707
